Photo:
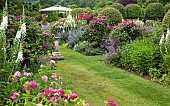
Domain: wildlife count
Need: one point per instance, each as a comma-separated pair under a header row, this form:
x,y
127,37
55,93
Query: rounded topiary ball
x,y
166,21
121,8
155,11
114,16
167,7
133,11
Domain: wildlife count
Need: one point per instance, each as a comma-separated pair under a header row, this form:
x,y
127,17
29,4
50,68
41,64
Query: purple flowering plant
x,y
125,32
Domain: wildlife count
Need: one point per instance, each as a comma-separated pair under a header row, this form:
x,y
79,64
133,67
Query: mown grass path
x,y
95,82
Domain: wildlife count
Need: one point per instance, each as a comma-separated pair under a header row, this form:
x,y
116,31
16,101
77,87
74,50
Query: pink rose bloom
x,y
52,98
47,35
32,85
11,29
45,93
27,74
52,62
60,92
112,102
53,76
46,46
52,91
14,96
17,74
45,78
74,95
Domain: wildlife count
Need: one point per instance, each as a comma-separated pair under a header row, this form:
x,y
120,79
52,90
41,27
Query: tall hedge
x,y
126,2
114,16
133,11
166,21
155,11
121,8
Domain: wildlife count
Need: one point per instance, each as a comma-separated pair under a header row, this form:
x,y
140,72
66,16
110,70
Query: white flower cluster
x,y
4,23
20,56
20,32
69,21
164,37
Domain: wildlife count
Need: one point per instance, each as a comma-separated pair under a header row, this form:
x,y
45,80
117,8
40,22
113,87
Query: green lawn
x,y
95,82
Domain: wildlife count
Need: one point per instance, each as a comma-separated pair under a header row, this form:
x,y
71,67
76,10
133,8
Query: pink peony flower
x,y
74,95
45,93
53,76
52,91
32,85
87,104
112,102
14,96
11,29
27,74
60,92
45,78
52,98
52,62
17,74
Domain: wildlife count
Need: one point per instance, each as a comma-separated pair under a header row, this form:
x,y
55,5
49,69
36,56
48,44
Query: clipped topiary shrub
x,y
133,11
121,9
166,21
167,7
114,16
155,11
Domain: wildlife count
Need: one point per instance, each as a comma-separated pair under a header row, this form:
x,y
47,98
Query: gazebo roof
x,y
56,8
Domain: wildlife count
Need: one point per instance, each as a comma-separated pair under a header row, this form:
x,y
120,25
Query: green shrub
x,y
166,63
140,55
87,48
113,14
167,7
77,11
52,16
155,11
166,21
133,11
121,9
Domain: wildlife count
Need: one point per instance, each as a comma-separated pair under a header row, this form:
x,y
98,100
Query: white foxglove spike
x,y
23,28
20,56
18,35
167,34
161,40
